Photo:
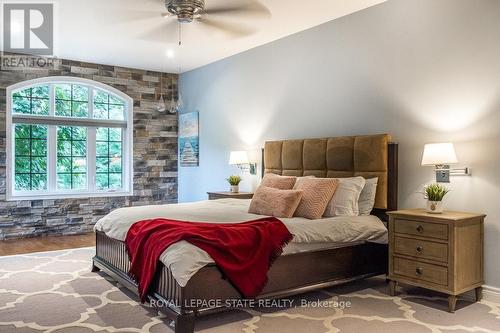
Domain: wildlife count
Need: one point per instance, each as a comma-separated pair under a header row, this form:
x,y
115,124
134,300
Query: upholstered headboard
x,y
367,156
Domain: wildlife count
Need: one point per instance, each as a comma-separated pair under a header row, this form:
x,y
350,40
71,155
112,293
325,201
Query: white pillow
x,y
345,199
367,197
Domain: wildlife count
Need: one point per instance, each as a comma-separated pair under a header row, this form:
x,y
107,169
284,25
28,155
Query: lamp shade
x,y
238,157
439,153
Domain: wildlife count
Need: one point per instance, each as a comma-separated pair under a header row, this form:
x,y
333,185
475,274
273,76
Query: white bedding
x,y
184,259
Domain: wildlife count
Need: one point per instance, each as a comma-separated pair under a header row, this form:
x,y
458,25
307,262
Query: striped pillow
x,y
316,194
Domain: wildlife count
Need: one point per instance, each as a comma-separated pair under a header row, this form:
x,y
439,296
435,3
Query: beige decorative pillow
x,y
299,179
367,197
277,181
274,202
317,193
345,199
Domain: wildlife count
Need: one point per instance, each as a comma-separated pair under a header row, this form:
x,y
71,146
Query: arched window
x,y
68,137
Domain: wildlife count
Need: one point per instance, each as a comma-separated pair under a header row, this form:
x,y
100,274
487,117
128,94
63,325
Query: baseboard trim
x,y
491,294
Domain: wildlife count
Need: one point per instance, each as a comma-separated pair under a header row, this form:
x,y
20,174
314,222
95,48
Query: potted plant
x,y
234,181
434,193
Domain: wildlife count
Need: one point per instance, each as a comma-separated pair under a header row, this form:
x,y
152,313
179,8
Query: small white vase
x,y
235,188
434,207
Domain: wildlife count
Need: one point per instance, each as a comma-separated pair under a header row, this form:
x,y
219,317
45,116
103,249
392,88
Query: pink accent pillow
x,y
277,181
274,202
317,193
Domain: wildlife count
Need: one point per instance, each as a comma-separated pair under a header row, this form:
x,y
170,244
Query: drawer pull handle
x,y
420,228
420,249
419,271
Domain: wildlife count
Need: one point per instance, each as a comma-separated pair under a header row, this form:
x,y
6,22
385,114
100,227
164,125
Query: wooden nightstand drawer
x,y
421,271
421,249
419,228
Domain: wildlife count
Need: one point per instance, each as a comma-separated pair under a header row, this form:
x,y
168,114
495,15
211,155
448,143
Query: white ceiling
x,y
133,33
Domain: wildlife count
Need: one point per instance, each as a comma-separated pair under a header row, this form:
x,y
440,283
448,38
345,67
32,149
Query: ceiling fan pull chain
x,y
180,36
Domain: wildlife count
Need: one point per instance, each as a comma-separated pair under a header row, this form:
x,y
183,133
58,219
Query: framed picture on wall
x,y
189,142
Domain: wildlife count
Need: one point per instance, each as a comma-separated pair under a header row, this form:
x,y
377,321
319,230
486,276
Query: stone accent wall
x,y
155,154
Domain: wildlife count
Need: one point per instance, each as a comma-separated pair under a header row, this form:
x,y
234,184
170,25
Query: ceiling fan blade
x,y
165,32
230,28
249,8
129,16
129,12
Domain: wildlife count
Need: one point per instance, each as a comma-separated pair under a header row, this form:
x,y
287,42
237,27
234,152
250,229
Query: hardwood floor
x,y
40,244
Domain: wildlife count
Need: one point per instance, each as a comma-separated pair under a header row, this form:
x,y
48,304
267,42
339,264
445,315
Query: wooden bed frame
x,y
183,304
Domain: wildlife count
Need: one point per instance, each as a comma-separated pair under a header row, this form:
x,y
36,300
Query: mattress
x,y
184,259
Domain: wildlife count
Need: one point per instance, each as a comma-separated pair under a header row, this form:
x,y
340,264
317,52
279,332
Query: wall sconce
x,y
441,155
240,159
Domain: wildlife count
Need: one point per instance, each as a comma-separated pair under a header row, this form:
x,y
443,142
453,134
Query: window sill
x,y
68,196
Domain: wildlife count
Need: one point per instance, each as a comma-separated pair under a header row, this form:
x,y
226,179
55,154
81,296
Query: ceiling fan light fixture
x,y
185,10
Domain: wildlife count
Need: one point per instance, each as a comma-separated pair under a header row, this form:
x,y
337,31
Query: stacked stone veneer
x,y
155,154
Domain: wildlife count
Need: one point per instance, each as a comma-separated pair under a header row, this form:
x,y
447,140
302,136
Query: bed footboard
x,y
290,275
111,257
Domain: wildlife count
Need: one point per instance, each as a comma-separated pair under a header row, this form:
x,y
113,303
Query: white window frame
x,y
91,124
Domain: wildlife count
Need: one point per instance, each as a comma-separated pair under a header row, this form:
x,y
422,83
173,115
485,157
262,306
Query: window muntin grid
x,y
30,157
109,157
71,91
71,158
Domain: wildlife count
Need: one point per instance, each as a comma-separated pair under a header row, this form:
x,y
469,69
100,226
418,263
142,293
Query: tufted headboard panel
x,y
367,156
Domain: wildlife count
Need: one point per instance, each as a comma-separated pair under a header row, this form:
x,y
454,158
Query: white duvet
x,y
184,259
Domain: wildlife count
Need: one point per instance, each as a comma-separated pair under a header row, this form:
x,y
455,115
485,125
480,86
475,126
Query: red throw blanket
x,y
244,252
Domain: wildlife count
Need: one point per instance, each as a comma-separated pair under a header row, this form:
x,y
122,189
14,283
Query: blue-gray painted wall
x,y
421,70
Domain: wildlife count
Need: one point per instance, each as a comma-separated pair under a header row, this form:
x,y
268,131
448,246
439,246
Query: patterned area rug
x,y
55,292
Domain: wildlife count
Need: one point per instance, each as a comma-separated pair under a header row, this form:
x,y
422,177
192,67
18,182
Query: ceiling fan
x,y
188,11
185,10
228,16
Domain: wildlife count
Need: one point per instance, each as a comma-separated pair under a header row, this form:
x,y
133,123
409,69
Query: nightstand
x,y
229,195
441,252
